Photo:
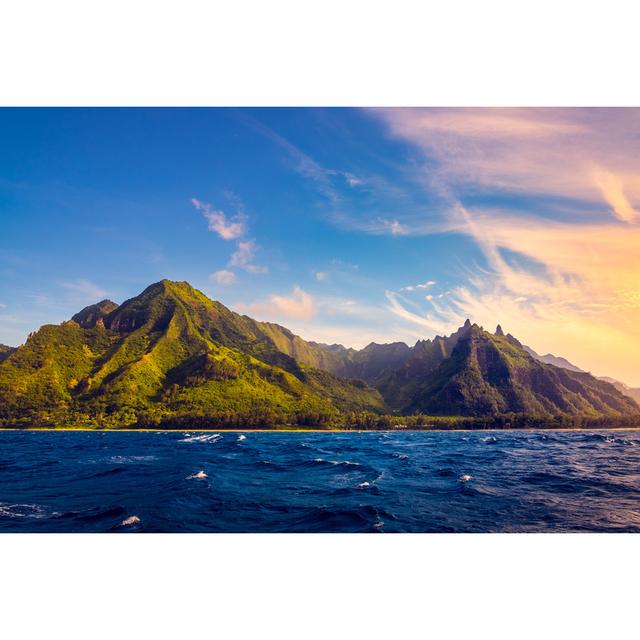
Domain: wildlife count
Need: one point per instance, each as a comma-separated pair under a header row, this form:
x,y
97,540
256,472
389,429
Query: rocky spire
x,y
499,331
467,323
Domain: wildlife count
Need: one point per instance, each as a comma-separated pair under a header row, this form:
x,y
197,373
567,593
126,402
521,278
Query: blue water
x,y
317,482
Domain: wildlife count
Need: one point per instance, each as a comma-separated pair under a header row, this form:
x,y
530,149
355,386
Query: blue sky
x,y
345,225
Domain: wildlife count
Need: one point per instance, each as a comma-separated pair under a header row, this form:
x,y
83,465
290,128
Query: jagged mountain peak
x,y
94,313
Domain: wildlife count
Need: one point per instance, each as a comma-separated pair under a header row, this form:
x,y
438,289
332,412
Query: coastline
x,y
303,430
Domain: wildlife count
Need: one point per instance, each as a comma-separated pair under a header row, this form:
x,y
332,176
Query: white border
x,y
335,52
318,586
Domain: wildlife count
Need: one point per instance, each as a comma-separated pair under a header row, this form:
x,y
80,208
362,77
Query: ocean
x,y
378,482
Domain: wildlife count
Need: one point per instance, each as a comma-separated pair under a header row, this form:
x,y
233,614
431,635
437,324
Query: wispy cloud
x,y
589,155
299,305
395,228
422,285
226,228
351,179
243,258
223,277
82,290
321,276
233,228
613,192
302,163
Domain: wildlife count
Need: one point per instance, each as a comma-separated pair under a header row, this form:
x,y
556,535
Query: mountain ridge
x,y
171,353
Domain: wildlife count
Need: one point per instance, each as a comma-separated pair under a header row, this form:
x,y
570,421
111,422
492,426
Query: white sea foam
x,y
200,474
203,437
347,463
131,520
130,459
9,510
465,478
241,437
378,525
363,485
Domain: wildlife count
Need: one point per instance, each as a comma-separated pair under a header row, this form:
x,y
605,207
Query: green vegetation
x,y
167,353
173,358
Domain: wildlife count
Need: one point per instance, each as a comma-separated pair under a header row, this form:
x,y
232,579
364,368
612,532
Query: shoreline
x,y
328,431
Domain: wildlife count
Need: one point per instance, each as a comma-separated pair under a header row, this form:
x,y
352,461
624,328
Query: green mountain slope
x,y
170,351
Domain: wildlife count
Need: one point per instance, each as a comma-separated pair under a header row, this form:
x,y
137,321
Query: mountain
x,y
632,392
172,357
474,373
5,351
563,363
556,361
170,351
94,313
487,374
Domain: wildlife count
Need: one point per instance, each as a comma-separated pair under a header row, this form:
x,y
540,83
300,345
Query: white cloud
x,y
423,285
227,229
223,277
82,290
243,257
299,305
3,306
321,276
584,154
395,228
613,192
351,179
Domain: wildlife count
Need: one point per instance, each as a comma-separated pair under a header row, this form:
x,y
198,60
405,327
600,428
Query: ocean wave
x,y
241,437
345,463
198,475
131,459
19,510
203,437
130,521
363,518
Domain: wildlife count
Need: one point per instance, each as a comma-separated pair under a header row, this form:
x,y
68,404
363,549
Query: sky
x,y
345,225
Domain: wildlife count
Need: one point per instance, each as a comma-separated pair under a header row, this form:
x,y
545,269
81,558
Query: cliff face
x,y
94,313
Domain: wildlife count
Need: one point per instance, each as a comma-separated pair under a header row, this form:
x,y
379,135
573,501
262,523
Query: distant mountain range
x,y
563,363
171,353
